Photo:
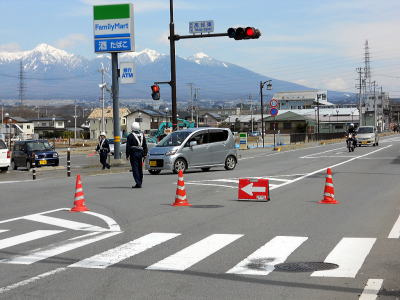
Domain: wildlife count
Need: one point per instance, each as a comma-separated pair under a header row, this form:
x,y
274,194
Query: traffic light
x,y
155,92
244,33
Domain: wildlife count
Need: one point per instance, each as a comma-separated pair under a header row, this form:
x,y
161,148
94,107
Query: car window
x,y
39,146
365,130
201,138
3,145
174,139
218,136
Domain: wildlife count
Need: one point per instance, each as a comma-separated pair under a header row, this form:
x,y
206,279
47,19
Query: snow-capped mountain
x,y
51,73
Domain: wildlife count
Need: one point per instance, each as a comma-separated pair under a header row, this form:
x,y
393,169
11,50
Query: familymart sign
x,y
113,28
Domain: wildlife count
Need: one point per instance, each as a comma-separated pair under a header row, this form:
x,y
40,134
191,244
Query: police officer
x,y
103,148
136,150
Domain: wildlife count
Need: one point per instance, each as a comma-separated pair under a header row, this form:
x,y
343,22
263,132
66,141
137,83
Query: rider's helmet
x,y
351,125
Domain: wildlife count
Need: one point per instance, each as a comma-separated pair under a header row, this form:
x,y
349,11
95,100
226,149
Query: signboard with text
x,y
243,140
201,26
253,189
127,72
113,28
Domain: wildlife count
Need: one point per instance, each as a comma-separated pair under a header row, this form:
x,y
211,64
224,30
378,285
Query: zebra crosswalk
x,y
349,253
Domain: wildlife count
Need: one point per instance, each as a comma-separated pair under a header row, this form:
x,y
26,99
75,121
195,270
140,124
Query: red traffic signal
x,y
244,33
155,92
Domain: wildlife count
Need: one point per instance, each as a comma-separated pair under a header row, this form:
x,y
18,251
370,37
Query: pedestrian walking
x,y
136,151
103,148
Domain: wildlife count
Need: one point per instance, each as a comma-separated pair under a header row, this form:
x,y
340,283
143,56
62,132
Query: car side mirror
x,y
192,143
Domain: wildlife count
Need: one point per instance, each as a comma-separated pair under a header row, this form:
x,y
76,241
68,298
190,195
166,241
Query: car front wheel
x,y
28,165
179,165
230,162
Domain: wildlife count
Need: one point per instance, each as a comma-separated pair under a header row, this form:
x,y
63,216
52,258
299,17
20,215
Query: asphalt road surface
x,y
134,245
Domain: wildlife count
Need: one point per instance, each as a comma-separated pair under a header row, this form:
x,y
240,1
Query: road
x,y
134,245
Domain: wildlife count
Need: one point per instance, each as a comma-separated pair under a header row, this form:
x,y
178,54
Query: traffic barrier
x,y
329,191
180,198
79,202
34,170
69,162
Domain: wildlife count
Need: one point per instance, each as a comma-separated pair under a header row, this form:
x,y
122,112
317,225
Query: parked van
x,y
201,148
26,153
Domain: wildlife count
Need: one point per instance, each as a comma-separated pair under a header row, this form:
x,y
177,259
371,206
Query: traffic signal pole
x,y
115,96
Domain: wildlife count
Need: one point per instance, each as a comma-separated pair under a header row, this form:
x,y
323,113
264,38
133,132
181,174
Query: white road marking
x,y
42,213
329,156
58,248
30,280
395,232
193,254
122,252
314,154
26,237
349,254
112,225
274,252
3,230
64,223
17,181
371,290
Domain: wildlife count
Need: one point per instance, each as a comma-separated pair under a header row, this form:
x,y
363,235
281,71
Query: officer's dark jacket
x,y
104,148
132,144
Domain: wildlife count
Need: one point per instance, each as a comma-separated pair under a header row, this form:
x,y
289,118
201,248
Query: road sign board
x,y
113,28
243,140
273,111
253,189
273,103
127,72
201,26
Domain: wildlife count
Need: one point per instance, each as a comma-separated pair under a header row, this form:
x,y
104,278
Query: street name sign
x,y
113,28
201,27
127,72
253,189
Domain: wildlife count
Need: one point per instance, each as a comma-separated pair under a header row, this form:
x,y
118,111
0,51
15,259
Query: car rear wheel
x,y
154,172
230,162
13,165
179,165
28,165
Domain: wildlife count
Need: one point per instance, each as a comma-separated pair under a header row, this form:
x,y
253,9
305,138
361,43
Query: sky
x,y
311,42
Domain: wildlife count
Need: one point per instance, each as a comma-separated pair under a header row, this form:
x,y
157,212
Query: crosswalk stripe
x,y
58,248
26,237
122,252
395,232
274,252
63,223
3,230
193,254
349,254
371,290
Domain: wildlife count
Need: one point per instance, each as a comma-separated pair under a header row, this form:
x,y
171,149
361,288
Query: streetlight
x,y
7,115
54,132
206,117
269,87
337,116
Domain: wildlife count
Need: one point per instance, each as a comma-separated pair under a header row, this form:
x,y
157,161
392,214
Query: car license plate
x,y
364,143
42,162
153,163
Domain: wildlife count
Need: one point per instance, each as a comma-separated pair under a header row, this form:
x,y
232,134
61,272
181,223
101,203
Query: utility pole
x,y
75,116
102,70
251,113
21,86
359,88
196,96
115,95
269,87
191,98
374,85
173,64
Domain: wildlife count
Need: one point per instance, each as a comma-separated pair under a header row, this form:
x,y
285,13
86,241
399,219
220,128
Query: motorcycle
x,y
351,142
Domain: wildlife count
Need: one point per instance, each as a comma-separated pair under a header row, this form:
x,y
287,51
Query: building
x,y
380,103
148,119
20,127
289,122
96,126
210,119
301,99
49,127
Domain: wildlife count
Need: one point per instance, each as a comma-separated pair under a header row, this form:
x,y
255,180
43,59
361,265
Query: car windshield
x,y
365,130
3,145
39,146
174,139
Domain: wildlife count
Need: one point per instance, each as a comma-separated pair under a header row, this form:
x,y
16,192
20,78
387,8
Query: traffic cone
x,y
79,203
180,198
329,191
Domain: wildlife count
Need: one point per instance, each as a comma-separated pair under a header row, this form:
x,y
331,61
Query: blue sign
x,y
201,27
112,45
273,111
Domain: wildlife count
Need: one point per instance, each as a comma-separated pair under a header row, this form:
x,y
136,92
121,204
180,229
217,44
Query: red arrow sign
x,y
253,189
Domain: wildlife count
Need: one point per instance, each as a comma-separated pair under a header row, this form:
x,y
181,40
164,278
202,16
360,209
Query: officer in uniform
x,y
136,151
103,148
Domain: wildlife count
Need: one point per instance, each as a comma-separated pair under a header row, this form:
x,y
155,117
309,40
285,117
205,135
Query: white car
x,y
367,135
5,156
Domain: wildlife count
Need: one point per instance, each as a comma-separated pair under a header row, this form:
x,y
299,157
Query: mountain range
x,y
51,73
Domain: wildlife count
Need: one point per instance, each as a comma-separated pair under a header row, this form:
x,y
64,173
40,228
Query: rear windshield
x,y
174,139
39,146
365,130
3,145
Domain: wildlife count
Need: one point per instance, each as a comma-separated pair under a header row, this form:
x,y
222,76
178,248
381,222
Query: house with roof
x,y
301,99
148,119
49,127
96,124
17,126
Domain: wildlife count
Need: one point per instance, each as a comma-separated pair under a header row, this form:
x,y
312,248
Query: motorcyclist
x,y
352,130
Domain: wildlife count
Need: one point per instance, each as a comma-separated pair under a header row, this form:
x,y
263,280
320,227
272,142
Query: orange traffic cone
x,y
329,191
79,203
180,198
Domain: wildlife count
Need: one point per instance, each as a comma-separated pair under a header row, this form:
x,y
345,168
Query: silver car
x,y
201,148
367,135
